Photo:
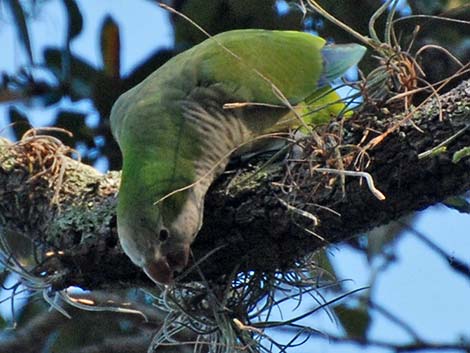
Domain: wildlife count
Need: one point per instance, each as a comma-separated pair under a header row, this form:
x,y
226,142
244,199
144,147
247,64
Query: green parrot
x,y
176,134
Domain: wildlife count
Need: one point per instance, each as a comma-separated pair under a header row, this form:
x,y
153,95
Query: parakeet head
x,y
156,230
159,250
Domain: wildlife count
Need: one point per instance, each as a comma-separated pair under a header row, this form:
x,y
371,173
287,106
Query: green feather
x,y
251,62
248,66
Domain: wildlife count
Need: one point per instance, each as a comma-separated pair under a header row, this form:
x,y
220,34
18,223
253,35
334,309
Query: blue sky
x,y
418,287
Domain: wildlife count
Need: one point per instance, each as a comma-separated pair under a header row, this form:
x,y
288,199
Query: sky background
x,y
419,287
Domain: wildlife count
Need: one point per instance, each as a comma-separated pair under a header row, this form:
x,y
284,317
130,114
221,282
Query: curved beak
x,y
159,271
162,270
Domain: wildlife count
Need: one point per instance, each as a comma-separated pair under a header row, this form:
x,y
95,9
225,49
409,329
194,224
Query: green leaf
x,y
75,19
460,154
110,47
21,26
324,268
19,121
355,321
458,203
3,323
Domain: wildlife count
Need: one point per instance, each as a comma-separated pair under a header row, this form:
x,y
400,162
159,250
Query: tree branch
x,y
417,346
67,211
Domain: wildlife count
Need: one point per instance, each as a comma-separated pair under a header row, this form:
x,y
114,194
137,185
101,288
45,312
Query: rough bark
x,y
75,226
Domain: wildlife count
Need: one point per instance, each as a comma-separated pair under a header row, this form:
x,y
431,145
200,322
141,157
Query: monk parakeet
x,y
176,133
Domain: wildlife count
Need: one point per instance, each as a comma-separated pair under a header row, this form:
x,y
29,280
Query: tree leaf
x,y
74,121
3,323
110,47
82,78
53,61
355,321
19,121
325,270
75,19
21,26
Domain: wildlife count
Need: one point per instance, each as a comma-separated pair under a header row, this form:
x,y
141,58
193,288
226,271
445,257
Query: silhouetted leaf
x,y
355,321
82,76
19,121
53,60
110,47
21,26
74,122
75,19
53,96
106,90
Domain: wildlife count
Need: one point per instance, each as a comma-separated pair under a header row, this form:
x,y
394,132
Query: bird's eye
x,y
163,235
